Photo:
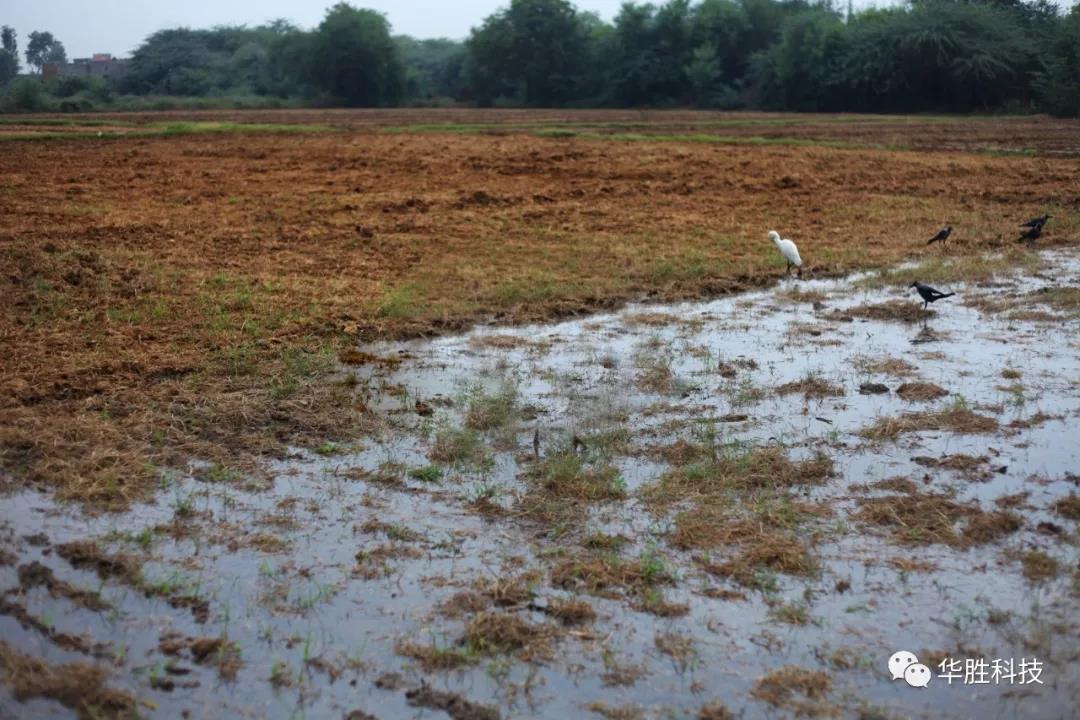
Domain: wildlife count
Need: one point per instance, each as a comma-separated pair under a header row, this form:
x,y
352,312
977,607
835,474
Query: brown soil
x,y
457,707
161,306
34,574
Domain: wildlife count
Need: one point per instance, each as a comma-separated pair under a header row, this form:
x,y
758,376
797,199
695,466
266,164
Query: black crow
x,y
1037,222
1031,234
942,236
929,294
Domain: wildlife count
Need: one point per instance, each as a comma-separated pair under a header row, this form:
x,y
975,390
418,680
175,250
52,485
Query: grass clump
x,y
460,447
426,474
1039,566
77,686
929,518
1068,507
958,419
811,387
906,311
492,411
921,391
610,576
567,475
963,268
797,689
721,471
884,366
433,657
498,632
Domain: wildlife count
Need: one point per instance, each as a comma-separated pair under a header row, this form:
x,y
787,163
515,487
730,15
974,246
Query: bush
x,y
26,95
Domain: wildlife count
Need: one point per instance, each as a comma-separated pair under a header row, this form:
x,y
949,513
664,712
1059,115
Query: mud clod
x,y
454,705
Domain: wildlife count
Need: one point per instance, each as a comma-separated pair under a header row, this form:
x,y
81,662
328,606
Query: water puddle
x,y
755,500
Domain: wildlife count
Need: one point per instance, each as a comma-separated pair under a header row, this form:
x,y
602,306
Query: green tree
x,y
1058,84
939,56
804,69
9,55
43,48
433,68
533,51
265,60
354,59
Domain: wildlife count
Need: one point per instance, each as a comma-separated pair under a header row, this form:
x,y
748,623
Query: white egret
x,y
789,251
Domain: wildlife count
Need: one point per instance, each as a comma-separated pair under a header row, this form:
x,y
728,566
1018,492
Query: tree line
x,y
926,55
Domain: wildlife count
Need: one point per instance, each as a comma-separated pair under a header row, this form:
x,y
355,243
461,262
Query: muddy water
x,y
278,563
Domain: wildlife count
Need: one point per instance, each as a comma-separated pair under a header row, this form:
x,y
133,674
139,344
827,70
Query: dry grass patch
x,y
177,324
680,648
957,419
500,342
1068,507
906,311
906,564
1039,566
897,367
715,710
500,632
639,580
436,658
562,483
727,470
811,387
80,687
611,712
797,689
572,611
1065,298
928,518
652,319
921,391
895,484
969,466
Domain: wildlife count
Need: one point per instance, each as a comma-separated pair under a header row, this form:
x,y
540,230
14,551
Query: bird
x,y
942,236
929,294
789,251
1030,235
1037,222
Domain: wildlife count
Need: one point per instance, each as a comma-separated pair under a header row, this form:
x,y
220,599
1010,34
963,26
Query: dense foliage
x,y
927,55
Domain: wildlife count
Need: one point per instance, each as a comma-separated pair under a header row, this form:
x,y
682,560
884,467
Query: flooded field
x,y
733,508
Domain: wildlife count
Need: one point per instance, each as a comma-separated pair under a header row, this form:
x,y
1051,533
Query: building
x,y
102,65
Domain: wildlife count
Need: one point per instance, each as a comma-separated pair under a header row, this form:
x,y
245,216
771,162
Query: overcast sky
x,y
118,26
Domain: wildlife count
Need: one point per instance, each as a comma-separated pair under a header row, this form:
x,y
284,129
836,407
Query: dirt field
x,y
190,303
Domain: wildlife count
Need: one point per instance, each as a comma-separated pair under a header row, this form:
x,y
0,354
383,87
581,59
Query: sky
x,y
118,26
